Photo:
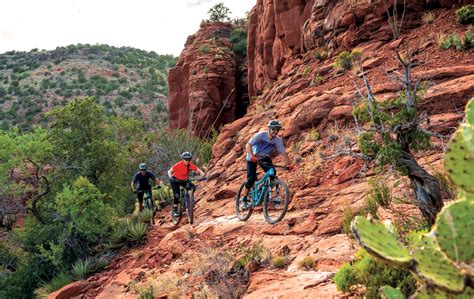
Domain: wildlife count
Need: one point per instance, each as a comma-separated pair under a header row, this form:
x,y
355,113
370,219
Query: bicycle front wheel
x,y
243,212
276,201
190,207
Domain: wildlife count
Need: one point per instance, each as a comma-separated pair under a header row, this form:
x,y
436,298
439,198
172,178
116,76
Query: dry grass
x,y
428,17
171,286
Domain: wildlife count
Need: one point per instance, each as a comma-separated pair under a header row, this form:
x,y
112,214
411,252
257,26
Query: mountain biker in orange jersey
x,y
140,183
260,148
178,174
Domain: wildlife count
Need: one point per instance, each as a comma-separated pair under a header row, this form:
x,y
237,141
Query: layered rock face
x,y
204,85
282,29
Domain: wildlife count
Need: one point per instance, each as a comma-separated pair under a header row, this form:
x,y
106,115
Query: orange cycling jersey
x,y
181,170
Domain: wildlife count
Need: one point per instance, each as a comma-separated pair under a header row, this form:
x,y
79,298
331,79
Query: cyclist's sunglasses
x,y
275,130
187,159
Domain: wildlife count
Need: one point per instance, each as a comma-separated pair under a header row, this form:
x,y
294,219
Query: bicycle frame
x,y
263,183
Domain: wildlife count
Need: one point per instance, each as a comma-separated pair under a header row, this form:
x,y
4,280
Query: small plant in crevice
x,y
204,49
307,262
279,262
428,17
317,80
345,60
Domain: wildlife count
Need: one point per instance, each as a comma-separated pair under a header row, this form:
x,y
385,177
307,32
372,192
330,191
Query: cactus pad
x,y
387,292
454,231
434,268
378,241
429,293
459,160
469,112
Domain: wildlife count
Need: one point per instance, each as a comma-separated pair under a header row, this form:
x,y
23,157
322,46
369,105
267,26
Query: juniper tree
x,y
391,132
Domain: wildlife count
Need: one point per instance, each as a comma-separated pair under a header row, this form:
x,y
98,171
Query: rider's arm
x,y
286,159
170,172
133,185
201,173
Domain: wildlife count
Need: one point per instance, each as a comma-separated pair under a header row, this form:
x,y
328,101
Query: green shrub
x,y
146,215
83,205
320,53
55,284
347,216
119,234
238,37
137,232
346,60
257,253
82,268
465,15
306,71
367,271
279,262
307,262
204,49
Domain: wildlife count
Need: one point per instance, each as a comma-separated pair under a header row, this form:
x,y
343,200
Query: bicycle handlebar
x,y
199,179
271,165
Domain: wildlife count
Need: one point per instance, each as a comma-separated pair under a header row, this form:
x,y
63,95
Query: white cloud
x,y
160,25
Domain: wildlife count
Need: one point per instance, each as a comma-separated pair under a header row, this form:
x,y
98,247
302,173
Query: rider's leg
x,y
175,188
140,200
251,178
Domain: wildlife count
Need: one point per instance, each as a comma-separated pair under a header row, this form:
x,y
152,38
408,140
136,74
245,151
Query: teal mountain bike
x,y
148,203
273,194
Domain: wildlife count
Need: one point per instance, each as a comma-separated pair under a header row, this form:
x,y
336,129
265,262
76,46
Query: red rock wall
x,y
202,86
274,34
282,29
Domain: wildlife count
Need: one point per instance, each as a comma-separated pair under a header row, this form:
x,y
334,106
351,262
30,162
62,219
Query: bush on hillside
x,y
465,15
367,271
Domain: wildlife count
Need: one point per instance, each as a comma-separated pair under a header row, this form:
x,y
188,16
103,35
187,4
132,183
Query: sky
x,y
160,25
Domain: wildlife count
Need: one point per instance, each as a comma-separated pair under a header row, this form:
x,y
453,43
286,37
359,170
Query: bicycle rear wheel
x,y
276,201
242,212
190,207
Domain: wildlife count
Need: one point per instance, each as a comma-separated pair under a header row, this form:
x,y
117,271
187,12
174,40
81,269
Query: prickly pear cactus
x,y
434,268
387,292
454,231
378,241
459,157
430,293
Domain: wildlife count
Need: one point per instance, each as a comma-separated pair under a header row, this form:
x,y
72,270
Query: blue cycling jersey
x,y
263,146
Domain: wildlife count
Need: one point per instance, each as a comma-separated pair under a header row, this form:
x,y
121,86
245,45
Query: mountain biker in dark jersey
x,y
141,184
261,147
178,174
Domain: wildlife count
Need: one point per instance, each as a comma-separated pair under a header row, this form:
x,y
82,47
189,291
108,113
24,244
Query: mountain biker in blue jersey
x,y
141,183
261,147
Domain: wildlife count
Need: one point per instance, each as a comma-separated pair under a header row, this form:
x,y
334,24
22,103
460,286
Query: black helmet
x,y
142,166
274,124
186,156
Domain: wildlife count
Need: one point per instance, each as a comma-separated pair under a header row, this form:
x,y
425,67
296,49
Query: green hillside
x,y
124,80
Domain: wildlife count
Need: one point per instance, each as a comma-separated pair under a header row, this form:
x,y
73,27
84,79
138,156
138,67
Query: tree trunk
x,y
426,187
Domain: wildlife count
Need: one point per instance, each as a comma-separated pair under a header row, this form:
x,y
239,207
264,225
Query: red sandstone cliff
x,y
282,29
204,84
